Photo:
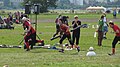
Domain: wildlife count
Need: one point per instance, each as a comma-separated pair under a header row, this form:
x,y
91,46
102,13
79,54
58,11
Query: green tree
x,y
44,4
7,3
64,4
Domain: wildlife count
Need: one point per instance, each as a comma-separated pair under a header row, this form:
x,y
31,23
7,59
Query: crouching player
x,y
66,34
30,34
116,38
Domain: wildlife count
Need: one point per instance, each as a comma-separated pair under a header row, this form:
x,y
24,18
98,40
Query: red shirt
x,y
26,24
115,28
64,28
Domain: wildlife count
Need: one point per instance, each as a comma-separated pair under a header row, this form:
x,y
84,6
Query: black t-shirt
x,y
76,25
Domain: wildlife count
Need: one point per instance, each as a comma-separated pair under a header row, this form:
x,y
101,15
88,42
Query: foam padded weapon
x,y
55,37
10,46
78,27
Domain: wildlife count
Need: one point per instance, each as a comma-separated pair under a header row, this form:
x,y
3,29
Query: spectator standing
x,y
100,31
76,33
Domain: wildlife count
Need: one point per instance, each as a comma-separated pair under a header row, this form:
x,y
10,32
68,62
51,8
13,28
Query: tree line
x,y
59,4
44,4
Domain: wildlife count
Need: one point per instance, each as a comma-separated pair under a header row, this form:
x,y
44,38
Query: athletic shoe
x,y
61,50
78,48
110,54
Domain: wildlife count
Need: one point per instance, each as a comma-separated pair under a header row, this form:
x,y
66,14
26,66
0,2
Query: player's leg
x,y
70,40
114,44
77,41
77,38
100,37
61,40
26,38
105,32
73,37
33,40
57,30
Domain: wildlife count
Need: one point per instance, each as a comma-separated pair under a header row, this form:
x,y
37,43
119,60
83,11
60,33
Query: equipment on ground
x,y
10,46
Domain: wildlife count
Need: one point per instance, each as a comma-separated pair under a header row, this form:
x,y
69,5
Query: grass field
x,y
15,57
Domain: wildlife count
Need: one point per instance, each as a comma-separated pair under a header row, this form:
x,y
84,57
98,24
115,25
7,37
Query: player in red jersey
x,y
116,29
30,34
66,34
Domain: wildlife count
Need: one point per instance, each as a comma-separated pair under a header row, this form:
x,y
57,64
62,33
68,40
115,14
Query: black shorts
x,y
116,39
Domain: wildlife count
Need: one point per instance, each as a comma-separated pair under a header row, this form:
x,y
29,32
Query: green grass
x,y
52,58
71,16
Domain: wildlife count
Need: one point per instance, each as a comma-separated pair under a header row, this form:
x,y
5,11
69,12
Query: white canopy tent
x,y
95,8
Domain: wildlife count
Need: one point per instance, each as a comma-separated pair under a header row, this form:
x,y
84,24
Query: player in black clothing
x,y
64,20
76,33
